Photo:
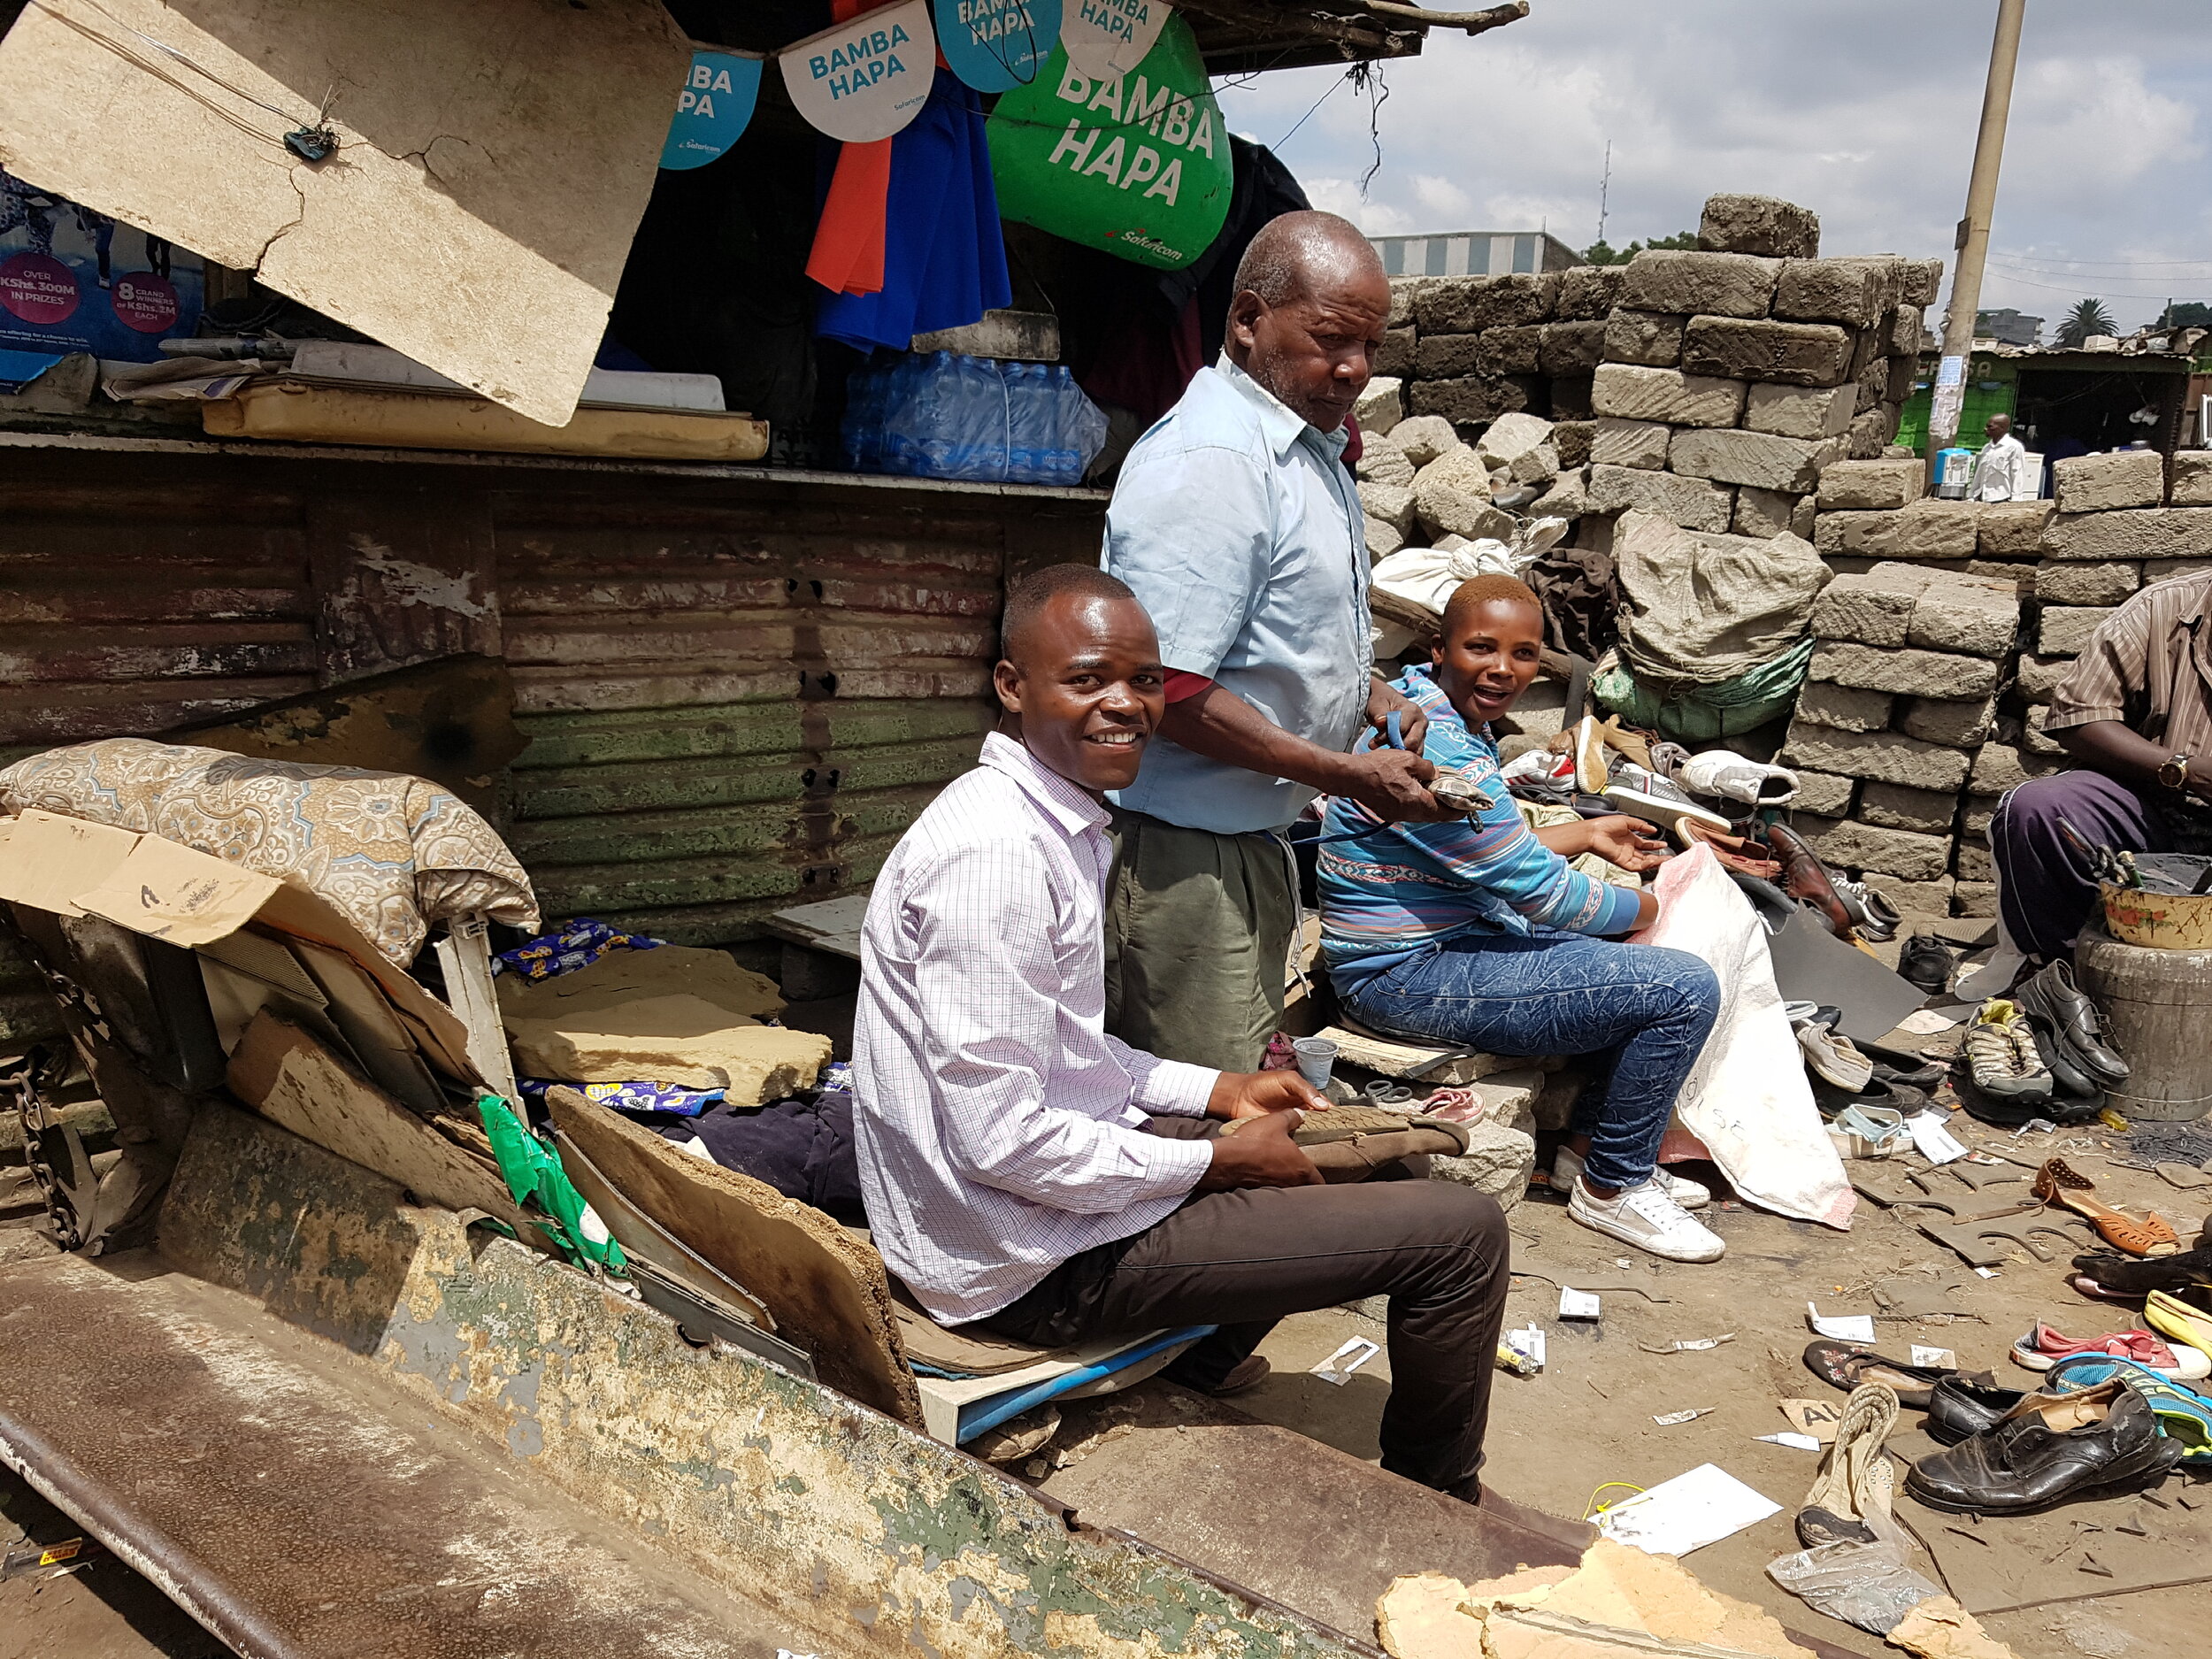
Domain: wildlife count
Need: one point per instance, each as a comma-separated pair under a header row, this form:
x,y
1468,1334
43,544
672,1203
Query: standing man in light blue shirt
x,y
1236,523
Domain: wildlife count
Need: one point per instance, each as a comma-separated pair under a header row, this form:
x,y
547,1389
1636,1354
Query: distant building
x,y
1473,253
2008,328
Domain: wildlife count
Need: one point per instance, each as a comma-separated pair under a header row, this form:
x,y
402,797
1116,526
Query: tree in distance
x,y
2087,318
1605,253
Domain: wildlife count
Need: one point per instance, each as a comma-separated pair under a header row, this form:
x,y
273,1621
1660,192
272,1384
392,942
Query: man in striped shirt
x,y
1025,1171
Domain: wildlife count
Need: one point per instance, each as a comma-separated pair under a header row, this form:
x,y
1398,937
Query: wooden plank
x,y
294,1081
831,925
827,1291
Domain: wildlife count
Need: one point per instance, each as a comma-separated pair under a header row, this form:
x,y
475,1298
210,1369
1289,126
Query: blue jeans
x,y
1645,1009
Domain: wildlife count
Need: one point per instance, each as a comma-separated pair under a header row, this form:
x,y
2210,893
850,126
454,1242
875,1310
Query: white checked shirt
x,y
998,1127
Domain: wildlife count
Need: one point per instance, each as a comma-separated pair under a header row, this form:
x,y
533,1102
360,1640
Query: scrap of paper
x,y
1686,1513
1578,1305
1923,1355
1844,1327
1935,1140
1798,1442
1339,1367
1815,1418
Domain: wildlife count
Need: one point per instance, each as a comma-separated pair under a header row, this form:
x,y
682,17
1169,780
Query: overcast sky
x,y
1863,111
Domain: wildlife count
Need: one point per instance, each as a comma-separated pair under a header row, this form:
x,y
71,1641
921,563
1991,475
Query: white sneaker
x,y
1647,1218
1566,1170
1730,777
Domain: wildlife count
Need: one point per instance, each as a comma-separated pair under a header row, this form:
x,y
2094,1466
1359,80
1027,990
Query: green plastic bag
x,y
1137,164
1700,714
533,1175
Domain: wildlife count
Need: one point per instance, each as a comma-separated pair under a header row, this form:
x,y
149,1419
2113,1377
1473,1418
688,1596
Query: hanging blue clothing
x,y
944,257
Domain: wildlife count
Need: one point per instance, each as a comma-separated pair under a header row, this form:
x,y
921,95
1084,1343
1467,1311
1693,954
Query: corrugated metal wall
x,y
739,691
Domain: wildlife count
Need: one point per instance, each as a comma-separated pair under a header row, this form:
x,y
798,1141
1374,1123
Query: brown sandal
x,y
2058,1183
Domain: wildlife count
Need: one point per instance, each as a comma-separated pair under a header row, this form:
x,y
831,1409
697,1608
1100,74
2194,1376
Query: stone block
x,y
1510,437
1572,347
1871,610
1401,292
1539,465
1763,225
1383,461
1799,411
1382,539
1857,292
2100,483
1929,899
1974,899
1586,293
1380,407
1423,438
1458,467
2062,582
1955,723
1446,357
1767,513
2010,529
1998,767
1653,339
2039,676
1904,379
1569,496
2031,737
1866,485
1896,806
1691,503
1823,792
2192,479
1919,281
1390,503
1628,392
1747,348
1845,707
1699,284
1906,673
1924,530
1757,459
1873,383
1975,819
1903,332
2065,630
1498,1161
1510,350
2141,533
1801,518
1444,306
1849,844
1573,440
1870,433
1399,353
2155,571
1570,396
1515,300
1971,618
1473,400
2017,574
1449,512
1878,756
1974,863
1641,443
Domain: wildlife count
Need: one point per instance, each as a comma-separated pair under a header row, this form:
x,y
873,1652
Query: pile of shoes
x,y
1864,1090
2039,1053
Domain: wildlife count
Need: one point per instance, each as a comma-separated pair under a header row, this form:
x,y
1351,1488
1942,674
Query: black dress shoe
x,y
1926,963
2051,1450
1961,1406
2127,1276
1901,1065
2061,1061
2053,993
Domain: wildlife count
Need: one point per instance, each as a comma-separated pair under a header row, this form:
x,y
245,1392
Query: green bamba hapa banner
x,y
1137,164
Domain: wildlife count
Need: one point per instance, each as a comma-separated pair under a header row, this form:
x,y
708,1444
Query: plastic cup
x,y
1317,1058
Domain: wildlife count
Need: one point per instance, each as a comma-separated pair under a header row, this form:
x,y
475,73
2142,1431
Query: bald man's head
x,y
1310,308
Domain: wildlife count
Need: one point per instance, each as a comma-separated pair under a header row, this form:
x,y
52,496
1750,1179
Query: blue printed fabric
x,y
1398,888
574,945
629,1097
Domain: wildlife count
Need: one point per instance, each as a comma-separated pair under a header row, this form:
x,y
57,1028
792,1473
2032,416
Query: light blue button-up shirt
x,y
1238,527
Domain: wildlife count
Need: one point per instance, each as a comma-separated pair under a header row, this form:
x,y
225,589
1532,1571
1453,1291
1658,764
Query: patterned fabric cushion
x,y
391,853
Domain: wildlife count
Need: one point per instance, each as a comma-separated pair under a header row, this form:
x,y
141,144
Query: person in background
x,y
1237,525
2135,713
2003,469
1478,932
1024,1170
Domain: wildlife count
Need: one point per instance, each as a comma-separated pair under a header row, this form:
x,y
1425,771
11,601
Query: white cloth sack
x,y
1424,578
1746,1098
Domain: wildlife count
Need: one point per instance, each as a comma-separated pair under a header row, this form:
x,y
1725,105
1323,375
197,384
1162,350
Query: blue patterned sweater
x,y
1398,887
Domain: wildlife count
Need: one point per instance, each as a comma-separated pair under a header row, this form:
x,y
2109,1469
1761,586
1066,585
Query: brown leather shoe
x,y
1805,877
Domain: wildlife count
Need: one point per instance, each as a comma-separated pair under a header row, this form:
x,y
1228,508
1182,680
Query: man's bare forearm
x,y
1221,725
2120,752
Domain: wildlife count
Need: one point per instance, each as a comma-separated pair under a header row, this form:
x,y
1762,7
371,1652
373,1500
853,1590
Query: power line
x,y
2090,286
2033,259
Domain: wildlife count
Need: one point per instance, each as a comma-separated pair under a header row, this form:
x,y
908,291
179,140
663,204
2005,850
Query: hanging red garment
x,y
848,252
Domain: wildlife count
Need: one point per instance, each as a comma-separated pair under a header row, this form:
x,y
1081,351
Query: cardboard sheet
x,y
493,159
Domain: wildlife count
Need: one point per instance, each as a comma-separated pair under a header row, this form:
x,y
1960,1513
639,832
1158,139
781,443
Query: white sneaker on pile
x,y
1647,1218
1566,1172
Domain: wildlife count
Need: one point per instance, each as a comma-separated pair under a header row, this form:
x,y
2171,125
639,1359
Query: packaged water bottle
x,y
1031,423
933,426
1063,464
861,433
901,414
971,411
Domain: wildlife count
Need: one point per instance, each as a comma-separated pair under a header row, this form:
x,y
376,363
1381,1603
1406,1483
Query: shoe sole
x,y
1666,814
1645,1245
2075,1494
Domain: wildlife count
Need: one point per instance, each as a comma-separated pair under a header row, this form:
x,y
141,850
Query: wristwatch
x,y
2173,771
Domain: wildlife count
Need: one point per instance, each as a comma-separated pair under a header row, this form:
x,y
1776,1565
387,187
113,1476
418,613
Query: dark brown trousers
x,y
1243,1260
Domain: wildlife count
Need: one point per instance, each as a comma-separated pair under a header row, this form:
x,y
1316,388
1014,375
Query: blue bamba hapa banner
x,y
995,45
713,110
864,79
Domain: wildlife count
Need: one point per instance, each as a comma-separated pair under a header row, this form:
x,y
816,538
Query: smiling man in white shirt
x,y
1024,1171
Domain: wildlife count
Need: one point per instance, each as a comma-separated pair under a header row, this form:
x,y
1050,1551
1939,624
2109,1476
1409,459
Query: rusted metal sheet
x,y
861,1534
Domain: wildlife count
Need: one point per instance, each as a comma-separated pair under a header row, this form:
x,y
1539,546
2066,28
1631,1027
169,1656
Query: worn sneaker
x,y
1566,1174
2000,1051
1647,1218
1832,1055
1873,917
1730,777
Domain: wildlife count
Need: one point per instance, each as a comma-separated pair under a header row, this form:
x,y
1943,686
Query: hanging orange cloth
x,y
847,253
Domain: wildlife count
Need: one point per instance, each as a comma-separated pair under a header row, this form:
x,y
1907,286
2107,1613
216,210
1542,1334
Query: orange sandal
x,y
2058,1183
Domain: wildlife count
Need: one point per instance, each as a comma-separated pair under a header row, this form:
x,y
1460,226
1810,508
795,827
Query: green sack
x,y
533,1174
1137,164
1690,713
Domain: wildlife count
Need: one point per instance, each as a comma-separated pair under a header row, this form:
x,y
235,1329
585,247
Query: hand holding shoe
x,y
1260,1153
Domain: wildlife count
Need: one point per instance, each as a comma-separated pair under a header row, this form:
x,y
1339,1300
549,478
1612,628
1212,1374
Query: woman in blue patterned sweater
x,y
1479,931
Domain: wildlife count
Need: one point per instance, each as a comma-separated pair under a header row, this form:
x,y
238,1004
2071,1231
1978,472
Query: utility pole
x,y
1605,183
1973,237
